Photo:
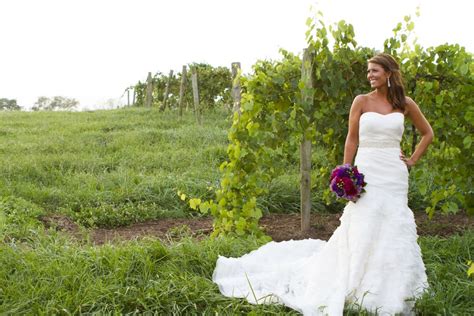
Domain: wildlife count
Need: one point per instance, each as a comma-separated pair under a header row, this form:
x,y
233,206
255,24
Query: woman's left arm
x,y
423,126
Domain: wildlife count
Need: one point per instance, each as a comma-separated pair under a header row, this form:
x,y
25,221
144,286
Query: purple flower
x,y
347,182
349,187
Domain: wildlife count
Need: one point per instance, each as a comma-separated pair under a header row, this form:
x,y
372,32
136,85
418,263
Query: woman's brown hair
x,y
396,91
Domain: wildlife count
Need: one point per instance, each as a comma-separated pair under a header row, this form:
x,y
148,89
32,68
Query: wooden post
x,y
414,141
305,148
134,96
236,87
305,184
149,91
181,90
165,96
197,108
128,97
414,138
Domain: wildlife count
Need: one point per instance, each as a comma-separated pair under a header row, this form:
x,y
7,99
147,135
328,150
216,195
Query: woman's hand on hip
x,y
408,161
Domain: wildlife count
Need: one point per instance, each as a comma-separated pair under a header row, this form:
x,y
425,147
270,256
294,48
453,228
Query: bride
x,y
372,260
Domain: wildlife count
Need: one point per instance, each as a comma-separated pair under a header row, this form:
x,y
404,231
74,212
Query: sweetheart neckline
x,y
382,114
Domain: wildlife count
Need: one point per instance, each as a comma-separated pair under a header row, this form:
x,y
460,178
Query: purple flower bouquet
x,y
347,182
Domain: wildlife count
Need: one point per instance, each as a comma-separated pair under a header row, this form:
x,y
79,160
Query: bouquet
x,y
347,182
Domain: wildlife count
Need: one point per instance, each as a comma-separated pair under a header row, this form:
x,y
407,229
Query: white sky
x,y
92,50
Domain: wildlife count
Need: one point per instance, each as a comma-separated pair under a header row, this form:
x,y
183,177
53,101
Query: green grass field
x,y
110,168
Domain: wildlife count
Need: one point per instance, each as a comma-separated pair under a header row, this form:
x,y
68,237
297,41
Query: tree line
x,y
57,103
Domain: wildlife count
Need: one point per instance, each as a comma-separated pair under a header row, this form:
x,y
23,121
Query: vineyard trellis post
x,y
197,108
149,91
305,146
165,95
182,87
414,141
236,92
128,97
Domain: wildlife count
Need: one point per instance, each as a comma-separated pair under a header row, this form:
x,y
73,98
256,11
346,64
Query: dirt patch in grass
x,y
287,226
278,226
163,229
61,223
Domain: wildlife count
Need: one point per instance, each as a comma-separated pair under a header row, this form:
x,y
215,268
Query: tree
x,y
57,103
9,105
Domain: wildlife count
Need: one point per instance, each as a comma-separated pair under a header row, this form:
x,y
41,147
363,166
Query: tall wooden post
x,y
149,91
305,184
414,138
128,97
305,147
165,96
236,87
197,108
181,90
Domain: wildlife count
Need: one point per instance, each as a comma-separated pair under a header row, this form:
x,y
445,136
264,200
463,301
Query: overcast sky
x,y
92,50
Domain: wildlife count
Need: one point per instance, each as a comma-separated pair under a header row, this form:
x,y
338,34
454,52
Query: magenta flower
x,y
347,182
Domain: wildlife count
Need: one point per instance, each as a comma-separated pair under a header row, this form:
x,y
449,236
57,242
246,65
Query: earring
x,y
388,82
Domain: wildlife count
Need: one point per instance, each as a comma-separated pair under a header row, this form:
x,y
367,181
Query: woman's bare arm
x,y
352,139
423,126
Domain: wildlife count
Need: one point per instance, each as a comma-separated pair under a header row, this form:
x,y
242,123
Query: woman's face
x,y
376,75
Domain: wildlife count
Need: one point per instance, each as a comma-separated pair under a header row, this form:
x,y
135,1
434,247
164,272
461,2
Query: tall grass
x,y
451,291
49,274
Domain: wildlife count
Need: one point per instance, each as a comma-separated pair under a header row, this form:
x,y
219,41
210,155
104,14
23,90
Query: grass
x,y
451,292
110,168
47,273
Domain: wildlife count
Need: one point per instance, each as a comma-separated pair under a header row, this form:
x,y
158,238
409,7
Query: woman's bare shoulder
x,y
358,105
409,101
410,105
359,101
361,98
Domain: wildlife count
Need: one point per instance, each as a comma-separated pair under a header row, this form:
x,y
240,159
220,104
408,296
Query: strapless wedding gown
x,y
372,259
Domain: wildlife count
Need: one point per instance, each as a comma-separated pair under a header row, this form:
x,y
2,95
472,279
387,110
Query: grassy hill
x,y
109,168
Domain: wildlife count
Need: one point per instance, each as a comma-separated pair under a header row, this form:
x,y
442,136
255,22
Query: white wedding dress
x,y
371,261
